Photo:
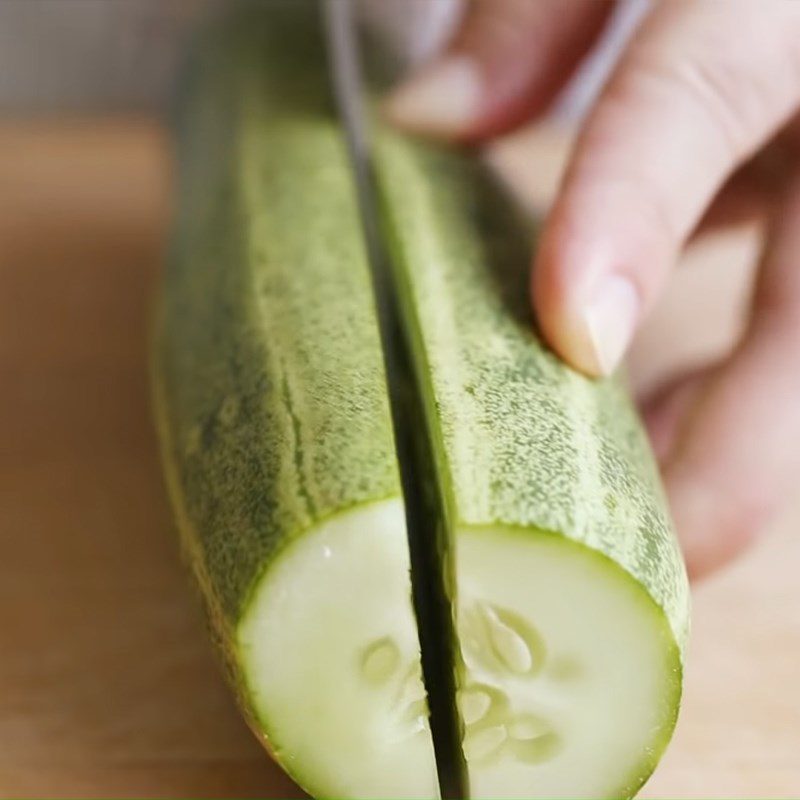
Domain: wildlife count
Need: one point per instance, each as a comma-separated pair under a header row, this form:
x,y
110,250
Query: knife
x,y
421,495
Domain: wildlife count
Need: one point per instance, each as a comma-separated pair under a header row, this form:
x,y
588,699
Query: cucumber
x,y
566,582
571,594
274,421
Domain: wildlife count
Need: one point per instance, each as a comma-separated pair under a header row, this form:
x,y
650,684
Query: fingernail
x,y
610,317
443,98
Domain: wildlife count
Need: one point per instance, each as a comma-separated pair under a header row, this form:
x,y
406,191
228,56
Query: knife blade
x,y
422,498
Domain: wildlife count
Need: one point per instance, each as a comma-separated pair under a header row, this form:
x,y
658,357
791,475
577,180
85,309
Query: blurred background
x,y
92,55
108,684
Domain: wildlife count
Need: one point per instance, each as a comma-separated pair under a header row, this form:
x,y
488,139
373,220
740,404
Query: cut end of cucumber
x,y
571,675
331,660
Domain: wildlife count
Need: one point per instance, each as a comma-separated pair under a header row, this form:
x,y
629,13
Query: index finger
x,y
700,87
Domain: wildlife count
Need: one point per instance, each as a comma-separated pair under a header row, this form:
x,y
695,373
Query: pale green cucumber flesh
x,y
571,677
330,656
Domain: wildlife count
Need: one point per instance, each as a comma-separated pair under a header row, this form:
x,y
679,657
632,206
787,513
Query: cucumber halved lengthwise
x,y
274,420
571,594
568,587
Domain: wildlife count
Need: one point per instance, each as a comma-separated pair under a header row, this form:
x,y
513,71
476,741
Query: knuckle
x,y
739,80
719,92
500,22
747,520
775,321
713,90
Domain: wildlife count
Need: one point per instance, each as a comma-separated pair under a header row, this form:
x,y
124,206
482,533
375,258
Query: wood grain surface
x,y
108,687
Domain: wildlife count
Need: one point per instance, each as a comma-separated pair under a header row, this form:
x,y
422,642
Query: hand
x,y
703,94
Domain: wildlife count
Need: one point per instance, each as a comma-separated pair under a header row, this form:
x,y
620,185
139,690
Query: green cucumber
x,y
567,584
274,421
572,598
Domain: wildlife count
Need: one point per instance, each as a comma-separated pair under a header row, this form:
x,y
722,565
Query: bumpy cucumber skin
x,y
269,383
521,440
268,350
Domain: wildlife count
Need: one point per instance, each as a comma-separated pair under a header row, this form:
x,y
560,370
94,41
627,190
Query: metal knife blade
x,y
421,494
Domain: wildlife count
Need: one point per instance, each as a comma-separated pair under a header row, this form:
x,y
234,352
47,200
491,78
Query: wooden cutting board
x,y
107,684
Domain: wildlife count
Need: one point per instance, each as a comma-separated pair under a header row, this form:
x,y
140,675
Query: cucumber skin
x,y
521,440
268,355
